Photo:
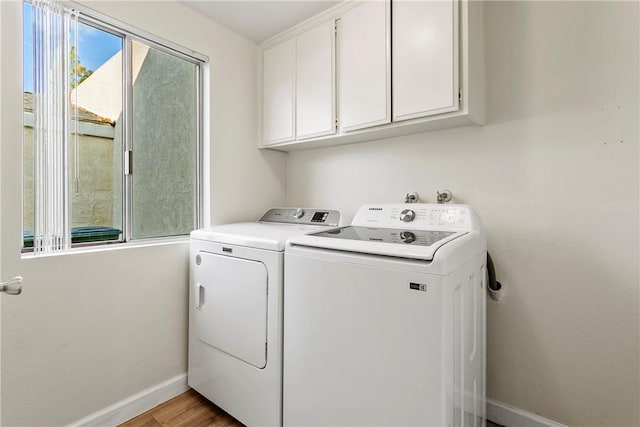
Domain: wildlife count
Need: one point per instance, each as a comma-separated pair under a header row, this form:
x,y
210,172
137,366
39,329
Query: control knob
x,y
299,213
407,215
407,237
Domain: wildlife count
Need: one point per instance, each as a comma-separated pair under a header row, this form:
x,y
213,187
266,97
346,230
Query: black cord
x,y
493,284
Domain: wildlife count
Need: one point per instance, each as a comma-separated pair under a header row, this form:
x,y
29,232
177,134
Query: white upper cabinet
x,y
363,67
382,68
424,58
315,88
278,83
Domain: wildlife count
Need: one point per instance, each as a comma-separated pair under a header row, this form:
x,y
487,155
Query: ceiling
x,y
259,20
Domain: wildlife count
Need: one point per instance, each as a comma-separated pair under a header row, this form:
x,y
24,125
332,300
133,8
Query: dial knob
x,y
407,237
299,213
407,215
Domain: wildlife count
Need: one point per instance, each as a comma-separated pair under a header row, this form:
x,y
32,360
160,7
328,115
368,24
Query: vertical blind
x,y
53,27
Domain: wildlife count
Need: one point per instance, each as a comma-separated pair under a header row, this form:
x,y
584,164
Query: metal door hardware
x,y
12,286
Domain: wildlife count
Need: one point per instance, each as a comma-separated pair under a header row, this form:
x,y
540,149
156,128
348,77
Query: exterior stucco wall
x,y
93,203
163,146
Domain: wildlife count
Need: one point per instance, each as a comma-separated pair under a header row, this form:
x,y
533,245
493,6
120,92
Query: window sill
x,y
141,243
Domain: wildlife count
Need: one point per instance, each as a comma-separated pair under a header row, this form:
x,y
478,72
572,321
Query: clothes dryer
x,y
235,311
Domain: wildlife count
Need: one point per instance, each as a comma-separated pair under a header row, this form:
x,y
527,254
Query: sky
x,y
95,47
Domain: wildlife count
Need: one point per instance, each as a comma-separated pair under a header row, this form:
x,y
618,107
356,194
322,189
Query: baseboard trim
x,y
510,416
136,404
132,406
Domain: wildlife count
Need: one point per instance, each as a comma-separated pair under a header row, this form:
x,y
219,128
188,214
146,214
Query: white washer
x,y
235,314
384,320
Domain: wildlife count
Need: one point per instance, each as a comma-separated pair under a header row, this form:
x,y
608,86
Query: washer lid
x,y
268,236
386,235
415,244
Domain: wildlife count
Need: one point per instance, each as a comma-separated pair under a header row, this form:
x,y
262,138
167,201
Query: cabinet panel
x,y
315,112
424,58
278,111
363,66
438,52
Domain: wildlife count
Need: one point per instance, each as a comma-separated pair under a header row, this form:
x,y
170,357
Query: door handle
x,y
12,286
199,296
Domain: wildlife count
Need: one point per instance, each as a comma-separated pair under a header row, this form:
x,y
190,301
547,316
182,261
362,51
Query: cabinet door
x,y
363,66
278,86
424,58
315,112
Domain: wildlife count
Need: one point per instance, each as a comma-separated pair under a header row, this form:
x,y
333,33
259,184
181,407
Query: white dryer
x,y
384,320
235,311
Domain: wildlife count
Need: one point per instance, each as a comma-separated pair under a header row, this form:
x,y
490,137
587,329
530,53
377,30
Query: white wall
x,y
92,329
554,175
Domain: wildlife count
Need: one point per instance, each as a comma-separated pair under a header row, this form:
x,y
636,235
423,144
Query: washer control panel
x,y
303,216
421,216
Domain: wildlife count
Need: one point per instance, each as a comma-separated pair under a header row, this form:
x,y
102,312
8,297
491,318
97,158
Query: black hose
x,y
493,284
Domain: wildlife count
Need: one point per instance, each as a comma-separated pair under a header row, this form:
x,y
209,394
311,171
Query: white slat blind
x,y
53,26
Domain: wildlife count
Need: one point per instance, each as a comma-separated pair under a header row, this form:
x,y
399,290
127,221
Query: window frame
x,y
130,34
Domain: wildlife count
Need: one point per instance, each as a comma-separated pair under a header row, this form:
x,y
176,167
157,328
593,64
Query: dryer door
x,y
231,306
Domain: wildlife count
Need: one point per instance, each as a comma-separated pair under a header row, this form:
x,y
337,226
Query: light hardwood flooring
x,y
191,410
186,410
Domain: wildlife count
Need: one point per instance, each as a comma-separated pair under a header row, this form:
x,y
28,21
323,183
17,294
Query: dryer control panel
x,y
416,216
302,216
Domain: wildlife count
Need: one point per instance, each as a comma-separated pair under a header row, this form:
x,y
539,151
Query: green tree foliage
x,y
79,72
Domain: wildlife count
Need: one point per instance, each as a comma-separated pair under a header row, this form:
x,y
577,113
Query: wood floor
x,y
191,410
186,410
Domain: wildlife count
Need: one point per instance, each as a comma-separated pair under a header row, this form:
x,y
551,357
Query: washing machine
x,y
384,320
235,311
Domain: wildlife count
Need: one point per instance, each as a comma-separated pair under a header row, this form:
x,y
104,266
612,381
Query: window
x,y
129,148
164,130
